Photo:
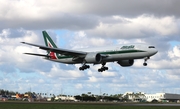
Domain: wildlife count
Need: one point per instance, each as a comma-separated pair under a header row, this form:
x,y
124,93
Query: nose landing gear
x,y
145,60
145,64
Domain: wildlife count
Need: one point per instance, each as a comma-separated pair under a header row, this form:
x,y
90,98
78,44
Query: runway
x,y
99,103
153,104
85,105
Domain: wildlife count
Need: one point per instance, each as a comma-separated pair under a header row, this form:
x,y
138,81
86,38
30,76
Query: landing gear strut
x,y
145,60
103,68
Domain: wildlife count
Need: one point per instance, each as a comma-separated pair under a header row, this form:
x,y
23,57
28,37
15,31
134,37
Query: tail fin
x,y
49,43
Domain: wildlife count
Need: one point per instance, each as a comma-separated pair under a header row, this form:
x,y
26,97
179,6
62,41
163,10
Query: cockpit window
x,y
151,47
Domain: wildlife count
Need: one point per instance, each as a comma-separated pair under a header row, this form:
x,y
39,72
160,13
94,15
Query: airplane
x,y
124,55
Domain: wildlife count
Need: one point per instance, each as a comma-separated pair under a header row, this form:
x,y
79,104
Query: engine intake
x,y
126,63
93,58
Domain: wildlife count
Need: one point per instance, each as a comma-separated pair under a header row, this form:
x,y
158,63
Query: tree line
x,y
83,97
7,92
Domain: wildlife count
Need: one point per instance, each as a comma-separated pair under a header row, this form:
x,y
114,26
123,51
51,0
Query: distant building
x,y
135,97
162,97
65,98
159,97
3,98
19,96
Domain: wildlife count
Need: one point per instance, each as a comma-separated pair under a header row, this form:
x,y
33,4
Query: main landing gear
x,y
103,68
145,60
84,67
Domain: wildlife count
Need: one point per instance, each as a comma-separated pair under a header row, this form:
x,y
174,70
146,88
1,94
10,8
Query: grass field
x,y
35,105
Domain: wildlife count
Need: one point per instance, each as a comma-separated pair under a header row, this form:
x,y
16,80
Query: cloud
x,y
76,14
175,53
28,15
57,72
11,52
129,8
81,40
139,27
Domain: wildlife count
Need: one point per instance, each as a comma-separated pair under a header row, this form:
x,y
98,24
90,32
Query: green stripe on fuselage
x,y
108,52
122,52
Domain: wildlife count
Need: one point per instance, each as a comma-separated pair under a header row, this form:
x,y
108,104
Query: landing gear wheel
x,y
106,68
81,68
145,64
88,66
99,70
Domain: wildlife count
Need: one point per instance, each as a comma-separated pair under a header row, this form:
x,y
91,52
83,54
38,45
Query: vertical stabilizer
x,y
49,43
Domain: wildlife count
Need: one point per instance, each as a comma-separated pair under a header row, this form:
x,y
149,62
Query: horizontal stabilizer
x,y
38,55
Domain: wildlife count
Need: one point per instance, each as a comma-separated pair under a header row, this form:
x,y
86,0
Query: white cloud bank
x,y
89,24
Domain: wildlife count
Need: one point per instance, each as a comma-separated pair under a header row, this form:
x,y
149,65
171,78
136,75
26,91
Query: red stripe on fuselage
x,y
52,54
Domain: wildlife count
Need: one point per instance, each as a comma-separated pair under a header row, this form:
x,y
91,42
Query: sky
x,y
74,24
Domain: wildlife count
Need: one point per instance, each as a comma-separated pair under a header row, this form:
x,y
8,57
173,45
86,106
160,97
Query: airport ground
x,y
85,105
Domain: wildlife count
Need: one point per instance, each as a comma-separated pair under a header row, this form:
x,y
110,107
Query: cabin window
x,y
151,47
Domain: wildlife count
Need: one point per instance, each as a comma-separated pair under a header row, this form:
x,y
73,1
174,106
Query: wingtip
x,y
23,42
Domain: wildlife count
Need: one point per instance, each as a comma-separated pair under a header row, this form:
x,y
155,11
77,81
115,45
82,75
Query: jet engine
x,y
126,63
93,58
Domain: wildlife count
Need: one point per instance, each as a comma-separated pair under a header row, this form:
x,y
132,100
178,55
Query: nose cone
x,y
153,52
156,51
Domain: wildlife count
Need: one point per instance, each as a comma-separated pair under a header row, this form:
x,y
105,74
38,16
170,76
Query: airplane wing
x,y
57,50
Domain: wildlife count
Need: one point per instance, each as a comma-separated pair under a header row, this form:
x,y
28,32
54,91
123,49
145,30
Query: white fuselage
x,y
115,53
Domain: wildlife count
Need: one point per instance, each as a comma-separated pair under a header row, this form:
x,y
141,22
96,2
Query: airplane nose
x,y
155,51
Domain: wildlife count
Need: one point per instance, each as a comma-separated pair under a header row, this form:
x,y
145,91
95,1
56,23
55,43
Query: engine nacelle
x,y
126,63
93,58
